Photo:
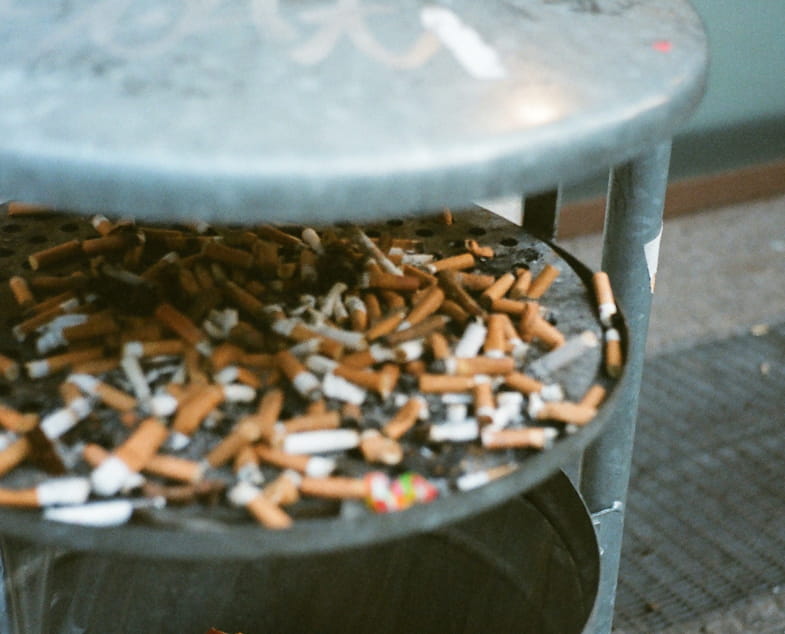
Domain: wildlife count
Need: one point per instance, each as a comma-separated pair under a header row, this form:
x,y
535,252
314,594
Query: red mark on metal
x,y
663,46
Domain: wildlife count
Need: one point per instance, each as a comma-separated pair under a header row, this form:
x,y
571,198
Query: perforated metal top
x,y
342,108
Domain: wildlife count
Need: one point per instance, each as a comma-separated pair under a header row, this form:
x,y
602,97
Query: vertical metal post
x,y
633,226
541,214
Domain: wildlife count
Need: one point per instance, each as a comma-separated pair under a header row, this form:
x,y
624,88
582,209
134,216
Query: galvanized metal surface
x,y
334,109
508,569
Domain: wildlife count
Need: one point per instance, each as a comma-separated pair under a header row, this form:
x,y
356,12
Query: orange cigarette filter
x,y
283,490
245,300
18,208
55,283
96,366
613,353
142,444
542,282
21,292
594,396
523,383
526,438
53,255
163,347
268,514
372,307
405,418
566,412
523,279
195,409
97,325
441,383
15,421
244,433
225,354
533,326
335,487
447,217
115,398
376,447
478,250
62,361
426,279
386,325
219,252
21,498
454,311
389,281
9,368
475,281
174,468
484,365
179,323
454,263
508,306
498,289
484,402
312,422
392,299
14,454
440,347
427,305
496,340
106,244
278,458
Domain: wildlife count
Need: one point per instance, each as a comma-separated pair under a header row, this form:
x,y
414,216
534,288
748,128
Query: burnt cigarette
x,y
246,466
195,409
408,351
266,512
305,382
525,438
441,383
174,468
498,289
606,304
322,441
130,457
15,421
477,250
55,255
314,466
479,365
594,396
58,491
476,479
484,402
347,338
335,487
135,375
20,289
520,289
376,353
428,304
108,394
332,299
573,349
613,353
378,448
269,232
51,365
452,263
405,418
543,280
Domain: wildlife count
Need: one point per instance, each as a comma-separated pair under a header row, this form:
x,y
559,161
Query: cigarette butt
x,y
542,282
108,394
142,444
392,300
96,366
427,305
475,281
14,454
498,289
106,244
480,365
534,327
440,347
244,300
613,353
9,368
594,396
312,422
305,382
102,224
526,438
225,354
21,292
174,468
195,409
358,313
440,383
376,447
495,343
508,306
477,479
386,325
334,487
97,325
53,255
180,324
523,383
523,279
426,279
447,217
16,421
453,263
455,312
477,250
388,281
373,308
316,466
405,418
51,365
284,490
266,512
484,402
219,252
566,412
606,304
18,208
22,498
59,283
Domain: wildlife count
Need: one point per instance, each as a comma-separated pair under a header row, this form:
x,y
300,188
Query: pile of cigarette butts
x,y
256,369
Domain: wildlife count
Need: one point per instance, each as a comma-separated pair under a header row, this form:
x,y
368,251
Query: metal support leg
x,y
633,225
541,214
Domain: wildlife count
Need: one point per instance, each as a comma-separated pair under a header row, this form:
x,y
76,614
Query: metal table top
x,y
275,109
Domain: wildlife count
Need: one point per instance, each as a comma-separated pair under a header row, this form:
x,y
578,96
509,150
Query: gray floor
x,y
721,276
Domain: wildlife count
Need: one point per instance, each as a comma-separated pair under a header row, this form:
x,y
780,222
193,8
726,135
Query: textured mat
x,y
706,517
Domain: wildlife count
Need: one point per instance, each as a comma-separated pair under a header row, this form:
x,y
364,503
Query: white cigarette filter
x,y
100,514
340,389
321,441
471,341
457,431
63,491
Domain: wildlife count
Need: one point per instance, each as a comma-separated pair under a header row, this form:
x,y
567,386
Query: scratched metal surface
x,y
333,107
